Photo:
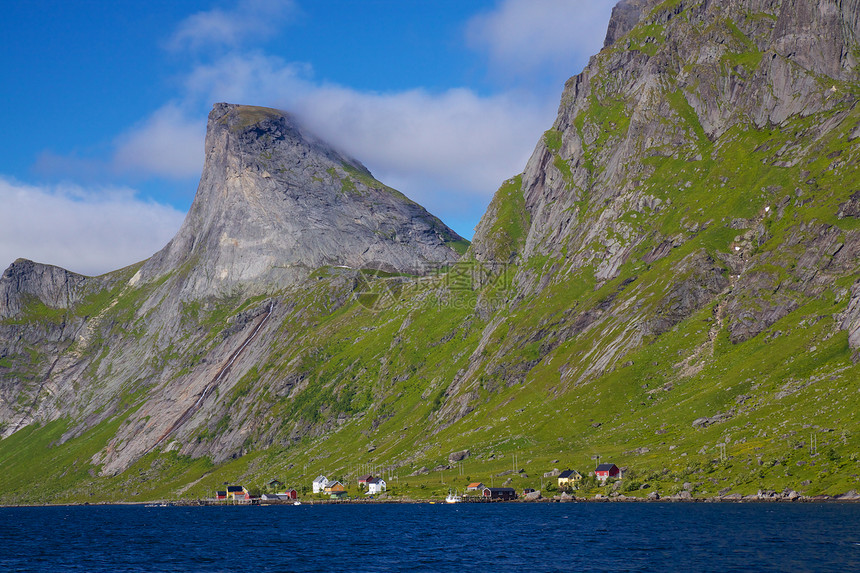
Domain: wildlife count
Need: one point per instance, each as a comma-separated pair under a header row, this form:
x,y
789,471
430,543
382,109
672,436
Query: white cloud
x,y
167,144
247,78
86,231
456,139
528,37
220,27
441,149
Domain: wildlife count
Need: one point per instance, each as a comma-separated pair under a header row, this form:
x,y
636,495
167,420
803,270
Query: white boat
x,y
297,503
453,498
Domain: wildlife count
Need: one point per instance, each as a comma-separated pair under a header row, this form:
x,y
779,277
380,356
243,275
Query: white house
x,y
320,484
375,485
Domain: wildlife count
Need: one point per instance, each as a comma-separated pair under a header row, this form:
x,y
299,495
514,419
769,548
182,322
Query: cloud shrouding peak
x,y
230,27
84,231
437,148
531,37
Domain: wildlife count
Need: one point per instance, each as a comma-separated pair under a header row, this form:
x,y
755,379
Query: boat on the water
x,y
453,497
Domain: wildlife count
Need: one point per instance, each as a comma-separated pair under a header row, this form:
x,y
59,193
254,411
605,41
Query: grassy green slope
x,y
388,384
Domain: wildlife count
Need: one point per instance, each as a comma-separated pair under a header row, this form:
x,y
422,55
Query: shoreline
x,y
847,498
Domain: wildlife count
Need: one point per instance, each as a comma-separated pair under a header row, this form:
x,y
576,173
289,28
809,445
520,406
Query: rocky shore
x,y
787,495
762,496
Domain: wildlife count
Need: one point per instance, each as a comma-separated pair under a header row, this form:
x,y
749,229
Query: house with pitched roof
x,y
288,495
375,485
320,484
606,471
238,493
335,489
502,493
334,486
568,478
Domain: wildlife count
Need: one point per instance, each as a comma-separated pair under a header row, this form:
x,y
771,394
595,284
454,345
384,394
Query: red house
x,y
606,471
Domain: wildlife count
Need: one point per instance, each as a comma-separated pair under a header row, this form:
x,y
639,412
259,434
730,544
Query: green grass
x,y
35,311
552,139
250,115
646,38
511,220
460,246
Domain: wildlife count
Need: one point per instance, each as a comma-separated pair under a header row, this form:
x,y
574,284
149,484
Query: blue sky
x,y
105,103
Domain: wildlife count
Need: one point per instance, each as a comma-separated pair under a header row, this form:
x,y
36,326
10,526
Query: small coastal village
x,y
557,486
369,486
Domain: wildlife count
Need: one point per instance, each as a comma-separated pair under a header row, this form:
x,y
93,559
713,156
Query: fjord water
x,y
425,537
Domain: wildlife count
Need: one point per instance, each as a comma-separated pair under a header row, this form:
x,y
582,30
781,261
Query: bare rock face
x,y
666,77
784,60
851,319
818,35
625,15
275,203
699,281
55,287
36,327
639,188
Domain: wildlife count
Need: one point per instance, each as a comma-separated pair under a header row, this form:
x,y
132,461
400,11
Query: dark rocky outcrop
x,y
26,281
701,279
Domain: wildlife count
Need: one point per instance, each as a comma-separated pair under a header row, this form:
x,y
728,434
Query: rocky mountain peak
x,y
275,203
625,15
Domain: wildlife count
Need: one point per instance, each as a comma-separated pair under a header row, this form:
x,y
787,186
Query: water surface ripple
x,y
424,537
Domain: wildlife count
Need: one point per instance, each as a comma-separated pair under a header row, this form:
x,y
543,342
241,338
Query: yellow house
x,y
334,487
568,478
237,492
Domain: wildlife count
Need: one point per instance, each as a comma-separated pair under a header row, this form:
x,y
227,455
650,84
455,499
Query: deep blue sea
x,y
569,537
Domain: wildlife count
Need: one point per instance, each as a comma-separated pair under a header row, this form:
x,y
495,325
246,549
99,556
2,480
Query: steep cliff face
x,y
699,119
36,329
275,203
689,73
702,170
